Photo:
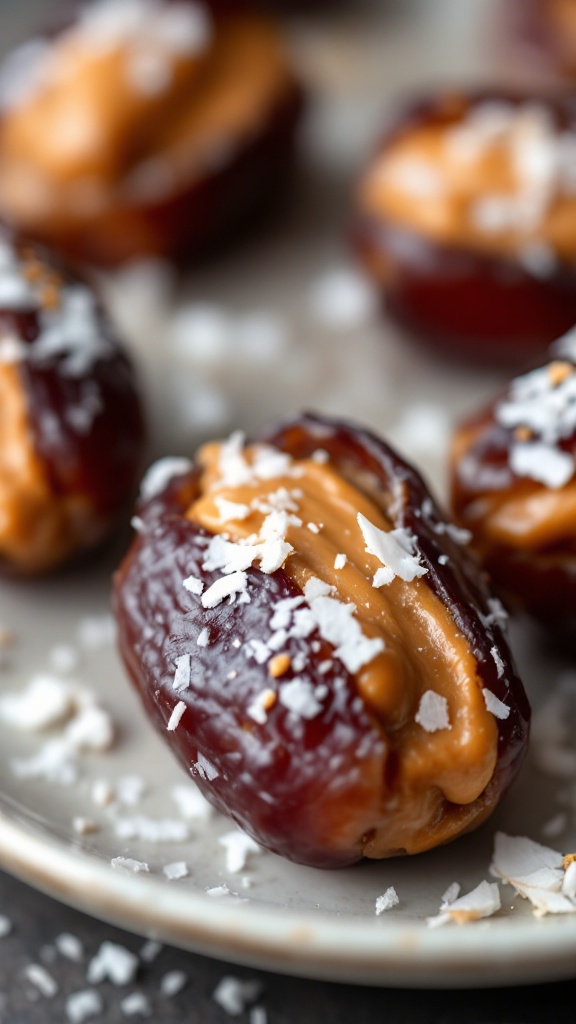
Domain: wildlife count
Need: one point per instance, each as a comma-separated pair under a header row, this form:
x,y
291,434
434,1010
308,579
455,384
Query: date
x,y
471,246
312,639
72,424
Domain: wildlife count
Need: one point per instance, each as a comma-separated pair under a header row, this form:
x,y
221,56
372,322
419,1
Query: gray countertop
x,y
37,921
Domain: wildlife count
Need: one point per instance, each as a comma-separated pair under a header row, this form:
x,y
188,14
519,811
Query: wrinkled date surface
x,y
190,112
513,486
449,221
334,702
71,420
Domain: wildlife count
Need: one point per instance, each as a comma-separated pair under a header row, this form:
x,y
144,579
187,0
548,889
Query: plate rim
x,y
320,946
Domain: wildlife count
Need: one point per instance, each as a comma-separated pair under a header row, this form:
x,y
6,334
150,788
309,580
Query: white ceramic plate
x,y
290,919
283,917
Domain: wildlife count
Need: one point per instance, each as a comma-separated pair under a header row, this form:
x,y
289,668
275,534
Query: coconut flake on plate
x,y
152,830
130,864
481,902
535,871
238,847
388,900
175,870
191,803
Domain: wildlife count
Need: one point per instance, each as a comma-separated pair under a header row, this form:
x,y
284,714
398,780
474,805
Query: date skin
x,y
541,581
102,462
312,792
481,309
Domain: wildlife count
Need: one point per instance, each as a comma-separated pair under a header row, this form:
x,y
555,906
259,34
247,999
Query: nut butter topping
x,y
135,98
494,176
529,502
406,645
37,527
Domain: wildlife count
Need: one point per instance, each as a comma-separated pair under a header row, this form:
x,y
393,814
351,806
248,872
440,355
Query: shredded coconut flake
x,y
84,1005
129,864
483,901
175,870
203,637
152,830
432,712
234,995
495,706
388,900
191,803
182,673
136,1004
160,474
300,697
112,963
193,585
42,980
238,848
542,462
226,586
396,550
70,946
172,983
536,872
176,716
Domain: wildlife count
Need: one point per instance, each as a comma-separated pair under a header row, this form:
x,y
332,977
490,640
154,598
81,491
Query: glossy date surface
x,y
315,789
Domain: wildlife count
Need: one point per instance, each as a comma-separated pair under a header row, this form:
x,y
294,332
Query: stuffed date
x,y
465,217
513,473
312,639
146,128
72,429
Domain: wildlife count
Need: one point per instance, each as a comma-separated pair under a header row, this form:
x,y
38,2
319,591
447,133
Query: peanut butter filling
x,y
422,649
37,528
527,516
111,124
495,179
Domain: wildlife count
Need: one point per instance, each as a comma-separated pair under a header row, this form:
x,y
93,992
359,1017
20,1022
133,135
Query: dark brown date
x,y
331,784
72,423
521,513
480,303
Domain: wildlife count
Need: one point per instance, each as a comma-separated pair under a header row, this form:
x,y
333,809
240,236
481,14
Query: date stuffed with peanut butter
x,y
315,644
514,486
466,216
146,128
71,418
